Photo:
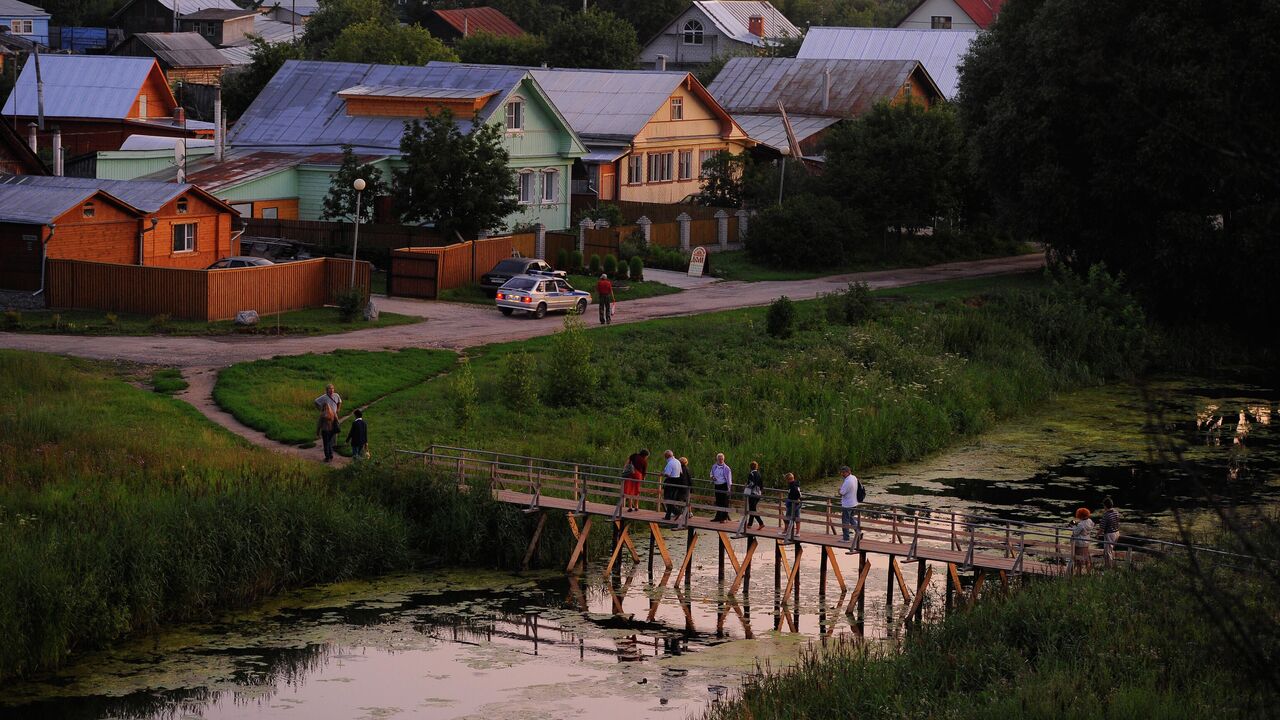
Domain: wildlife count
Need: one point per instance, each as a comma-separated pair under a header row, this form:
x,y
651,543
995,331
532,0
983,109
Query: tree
x,y
334,16
648,17
592,39
722,176
807,232
340,203
239,89
900,165
489,49
1154,149
80,13
458,181
373,41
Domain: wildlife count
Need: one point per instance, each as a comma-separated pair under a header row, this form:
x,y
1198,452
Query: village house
x,y
648,133
283,152
293,11
95,102
952,15
939,51
25,21
153,224
709,29
185,57
453,25
137,16
816,94
219,26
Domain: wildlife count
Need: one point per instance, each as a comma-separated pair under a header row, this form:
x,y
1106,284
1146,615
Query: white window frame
x,y
635,169
513,116
21,27
661,166
142,106
684,165
550,181
525,187
940,22
693,32
703,157
677,108
189,237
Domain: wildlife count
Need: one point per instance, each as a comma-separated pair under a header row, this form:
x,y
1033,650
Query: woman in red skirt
x,y
639,464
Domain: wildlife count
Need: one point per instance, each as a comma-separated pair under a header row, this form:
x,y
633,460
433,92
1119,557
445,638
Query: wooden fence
x,y
557,241
336,238
425,272
657,212
207,295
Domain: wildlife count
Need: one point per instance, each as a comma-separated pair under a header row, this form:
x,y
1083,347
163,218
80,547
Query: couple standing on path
x,y
1082,535
327,427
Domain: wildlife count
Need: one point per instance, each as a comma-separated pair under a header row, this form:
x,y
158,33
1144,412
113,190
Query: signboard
x,y
697,261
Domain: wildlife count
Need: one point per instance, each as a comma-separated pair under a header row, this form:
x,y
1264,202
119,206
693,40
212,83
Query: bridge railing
x,y
973,538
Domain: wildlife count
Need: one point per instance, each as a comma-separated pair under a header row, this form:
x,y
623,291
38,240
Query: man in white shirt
x,y
670,481
722,483
848,502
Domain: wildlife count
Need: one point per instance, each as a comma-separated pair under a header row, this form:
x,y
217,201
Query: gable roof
x,y
732,18
756,84
81,86
182,49
490,20
940,51
300,108
20,151
981,12
13,8
39,205
217,14
184,6
147,196
614,104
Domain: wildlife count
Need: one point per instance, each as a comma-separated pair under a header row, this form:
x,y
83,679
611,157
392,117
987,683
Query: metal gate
x,y
414,274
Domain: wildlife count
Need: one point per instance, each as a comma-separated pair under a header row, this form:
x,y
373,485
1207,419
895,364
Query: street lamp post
x,y
358,185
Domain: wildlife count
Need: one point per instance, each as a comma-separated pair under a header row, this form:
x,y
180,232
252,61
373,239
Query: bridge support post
x,y
533,544
720,558
888,591
923,573
582,543
777,567
822,573
686,570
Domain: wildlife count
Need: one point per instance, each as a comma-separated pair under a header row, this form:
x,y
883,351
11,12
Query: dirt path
x,y
457,326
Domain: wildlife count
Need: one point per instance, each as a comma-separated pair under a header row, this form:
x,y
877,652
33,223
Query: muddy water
x,y
455,644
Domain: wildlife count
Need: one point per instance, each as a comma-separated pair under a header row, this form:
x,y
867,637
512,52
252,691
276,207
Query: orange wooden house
x,y
130,222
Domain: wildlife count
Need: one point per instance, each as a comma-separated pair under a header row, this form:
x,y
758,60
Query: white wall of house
x,y
922,18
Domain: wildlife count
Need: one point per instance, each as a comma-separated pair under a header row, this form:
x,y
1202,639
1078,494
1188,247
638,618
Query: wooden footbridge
x,y
958,544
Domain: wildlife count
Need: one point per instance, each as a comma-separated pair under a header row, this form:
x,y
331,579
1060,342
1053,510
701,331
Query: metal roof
x,y
431,93
613,104
300,108
38,206
182,49
487,19
188,5
767,129
756,84
273,32
13,8
603,155
145,195
940,51
733,17
217,14
161,142
80,86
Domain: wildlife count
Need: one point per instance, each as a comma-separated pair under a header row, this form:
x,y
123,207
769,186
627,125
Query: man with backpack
x,y
851,493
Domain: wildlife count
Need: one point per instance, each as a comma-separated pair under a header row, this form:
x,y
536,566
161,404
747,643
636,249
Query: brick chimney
x,y
179,115
755,24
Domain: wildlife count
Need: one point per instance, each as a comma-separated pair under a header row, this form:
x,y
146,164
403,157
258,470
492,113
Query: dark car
x,y
239,261
512,267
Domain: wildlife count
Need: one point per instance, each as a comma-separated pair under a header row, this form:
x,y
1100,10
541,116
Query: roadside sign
x,y
697,261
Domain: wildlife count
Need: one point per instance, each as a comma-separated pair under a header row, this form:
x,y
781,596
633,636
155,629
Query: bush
x,y
572,378
575,261
851,306
637,268
113,320
623,271
158,323
594,265
606,211
562,259
807,232
12,319
610,265
633,245
465,395
519,381
350,303
781,318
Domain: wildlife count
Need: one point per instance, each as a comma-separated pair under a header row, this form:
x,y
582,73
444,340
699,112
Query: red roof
x,y
490,20
982,12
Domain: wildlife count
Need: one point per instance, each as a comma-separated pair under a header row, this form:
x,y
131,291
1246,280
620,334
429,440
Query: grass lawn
x,y
735,265
622,290
968,288
276,396
313,321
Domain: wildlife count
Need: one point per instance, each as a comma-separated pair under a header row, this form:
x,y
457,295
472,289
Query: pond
x,y
474,644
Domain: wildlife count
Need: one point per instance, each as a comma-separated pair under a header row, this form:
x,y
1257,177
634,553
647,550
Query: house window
x,y
677,108
20,27
940,22
660,167
686,164
705,156
906,90
635,170
525,180
270,213
184,237
550,186
142,106
183,206
88,209
515,116
693,33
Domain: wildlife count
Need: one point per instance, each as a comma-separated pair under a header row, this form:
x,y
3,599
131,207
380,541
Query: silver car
x,y
536,294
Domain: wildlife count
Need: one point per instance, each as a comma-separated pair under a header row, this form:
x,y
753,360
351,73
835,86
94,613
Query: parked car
x,y
511,267
239,261
536,294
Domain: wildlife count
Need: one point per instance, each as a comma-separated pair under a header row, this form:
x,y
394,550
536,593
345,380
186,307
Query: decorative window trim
x,y
522,177
677,108
516,104
693,32
550,181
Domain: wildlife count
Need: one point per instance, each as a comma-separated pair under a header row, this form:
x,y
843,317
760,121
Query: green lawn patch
x,y
168,381
313,321
918,252
623,290
276,396
966,289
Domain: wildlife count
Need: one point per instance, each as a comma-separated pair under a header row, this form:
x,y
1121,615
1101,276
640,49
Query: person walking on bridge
x,y
1109,526
849,487
722,483
685,489
754,491
1082,540
670,486
632,474
793,505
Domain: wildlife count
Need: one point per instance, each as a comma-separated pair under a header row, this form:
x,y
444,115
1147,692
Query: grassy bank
x,y
121,509
1119,645
869,385
910,252
315,321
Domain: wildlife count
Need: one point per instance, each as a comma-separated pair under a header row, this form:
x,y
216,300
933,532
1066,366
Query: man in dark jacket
x,y
358,436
